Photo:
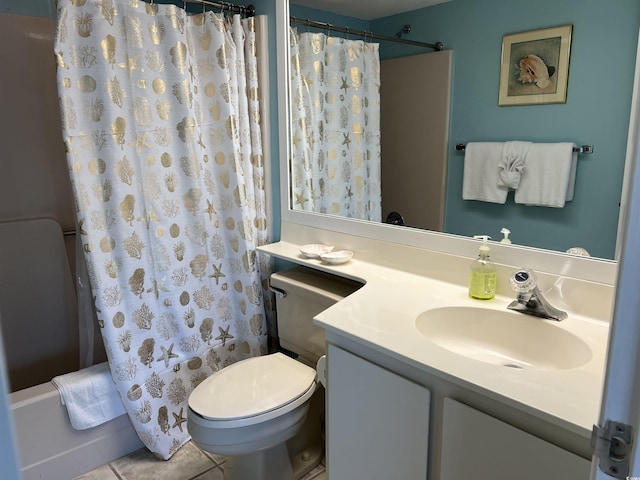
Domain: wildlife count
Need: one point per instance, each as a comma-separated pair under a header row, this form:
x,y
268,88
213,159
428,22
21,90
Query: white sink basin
x,y
503,338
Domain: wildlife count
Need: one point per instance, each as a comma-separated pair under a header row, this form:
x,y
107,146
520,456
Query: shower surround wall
x,y
41,335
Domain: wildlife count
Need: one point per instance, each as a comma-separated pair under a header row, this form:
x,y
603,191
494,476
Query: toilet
x,y
266,413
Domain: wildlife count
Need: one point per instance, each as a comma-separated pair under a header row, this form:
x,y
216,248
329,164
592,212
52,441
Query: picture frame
x,y
534,66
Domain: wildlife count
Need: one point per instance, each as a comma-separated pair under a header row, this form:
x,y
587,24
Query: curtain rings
x,y
225,17
228,16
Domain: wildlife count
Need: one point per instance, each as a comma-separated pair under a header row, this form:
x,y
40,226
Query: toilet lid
x,y
251,387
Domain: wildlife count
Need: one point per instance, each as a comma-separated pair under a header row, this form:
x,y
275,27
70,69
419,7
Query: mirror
x,y
597,111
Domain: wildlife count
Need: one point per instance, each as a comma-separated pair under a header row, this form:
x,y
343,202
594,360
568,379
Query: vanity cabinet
x,y
377,421
383,423
476,445
401,406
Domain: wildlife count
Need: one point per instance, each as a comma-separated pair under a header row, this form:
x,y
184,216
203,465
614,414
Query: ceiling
x,y
367,9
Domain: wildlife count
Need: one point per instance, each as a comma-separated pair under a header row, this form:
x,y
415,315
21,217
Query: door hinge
x,y
611,445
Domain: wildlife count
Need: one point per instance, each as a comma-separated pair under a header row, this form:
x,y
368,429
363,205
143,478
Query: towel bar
x,y
584,149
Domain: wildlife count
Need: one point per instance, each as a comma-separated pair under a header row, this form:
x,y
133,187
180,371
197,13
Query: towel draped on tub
x,y
90,396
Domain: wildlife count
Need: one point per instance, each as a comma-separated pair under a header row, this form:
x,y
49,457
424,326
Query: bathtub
x,y
42,341
50,448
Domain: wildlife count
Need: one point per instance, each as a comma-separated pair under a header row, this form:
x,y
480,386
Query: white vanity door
x,y
377,421
478,446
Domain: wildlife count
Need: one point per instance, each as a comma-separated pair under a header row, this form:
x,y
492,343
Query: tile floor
x,y
189,463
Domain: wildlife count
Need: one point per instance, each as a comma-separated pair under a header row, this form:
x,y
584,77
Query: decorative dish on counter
x,y
335,258
315,250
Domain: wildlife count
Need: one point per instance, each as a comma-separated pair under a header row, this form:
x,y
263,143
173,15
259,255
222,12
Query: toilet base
x,y
292,459
307,460
270,464
273,464
306,448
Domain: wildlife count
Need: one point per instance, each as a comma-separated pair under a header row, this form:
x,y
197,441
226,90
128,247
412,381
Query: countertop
x,y
382,316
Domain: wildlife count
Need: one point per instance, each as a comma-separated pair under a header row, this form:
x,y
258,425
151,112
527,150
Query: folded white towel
x,y
90,396
549,175
480,178
511,163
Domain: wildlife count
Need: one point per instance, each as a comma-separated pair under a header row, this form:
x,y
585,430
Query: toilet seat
x,y
252,391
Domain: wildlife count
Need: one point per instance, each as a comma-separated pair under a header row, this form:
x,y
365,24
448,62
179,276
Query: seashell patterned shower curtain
x,y
161,126
335,126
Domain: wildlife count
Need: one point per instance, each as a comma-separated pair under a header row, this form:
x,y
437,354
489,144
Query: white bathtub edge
x,y
50,448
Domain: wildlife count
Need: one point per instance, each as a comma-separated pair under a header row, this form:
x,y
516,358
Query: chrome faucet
x,y
529,299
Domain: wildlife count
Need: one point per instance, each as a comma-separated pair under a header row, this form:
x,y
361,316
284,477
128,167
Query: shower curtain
x,y
335,126
161,125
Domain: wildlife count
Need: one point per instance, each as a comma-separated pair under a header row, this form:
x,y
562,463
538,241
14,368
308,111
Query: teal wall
x,y
597,110
602,63
35,8
306,13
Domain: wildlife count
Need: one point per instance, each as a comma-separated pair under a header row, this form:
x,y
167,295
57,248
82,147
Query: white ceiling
x,y
367,9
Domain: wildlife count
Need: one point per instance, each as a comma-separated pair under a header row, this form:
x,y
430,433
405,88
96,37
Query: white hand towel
x,y
549,177
480,178
90,396
512,164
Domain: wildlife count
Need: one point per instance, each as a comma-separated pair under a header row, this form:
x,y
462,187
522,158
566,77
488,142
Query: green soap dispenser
x,y
482,279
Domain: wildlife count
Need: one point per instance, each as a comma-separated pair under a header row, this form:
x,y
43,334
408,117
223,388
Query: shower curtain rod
x,y
363,33
249,10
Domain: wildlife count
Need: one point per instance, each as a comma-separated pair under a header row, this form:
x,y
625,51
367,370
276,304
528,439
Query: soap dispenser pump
x,y
505,232
482,279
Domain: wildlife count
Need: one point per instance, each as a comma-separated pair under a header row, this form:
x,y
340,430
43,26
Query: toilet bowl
x,y
255,411
248,411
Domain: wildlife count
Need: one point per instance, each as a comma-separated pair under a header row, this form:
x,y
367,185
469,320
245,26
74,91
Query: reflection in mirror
x,y
335,125
596,112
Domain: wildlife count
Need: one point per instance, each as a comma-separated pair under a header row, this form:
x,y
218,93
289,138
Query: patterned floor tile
x,y
101,473
186,464
318,473
213,474
218,459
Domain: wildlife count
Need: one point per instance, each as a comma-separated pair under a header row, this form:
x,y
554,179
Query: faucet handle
x,y
529,299
523,281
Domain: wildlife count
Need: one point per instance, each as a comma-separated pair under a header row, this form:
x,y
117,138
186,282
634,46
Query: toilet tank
x,y
301,294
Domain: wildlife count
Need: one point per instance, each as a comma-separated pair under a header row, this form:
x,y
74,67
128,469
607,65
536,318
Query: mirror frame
x,y
590,269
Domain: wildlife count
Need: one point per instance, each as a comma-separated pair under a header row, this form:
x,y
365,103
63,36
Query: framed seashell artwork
x,y
534,67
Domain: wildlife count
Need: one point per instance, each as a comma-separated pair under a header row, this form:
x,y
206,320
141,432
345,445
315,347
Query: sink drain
x,y
513,365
